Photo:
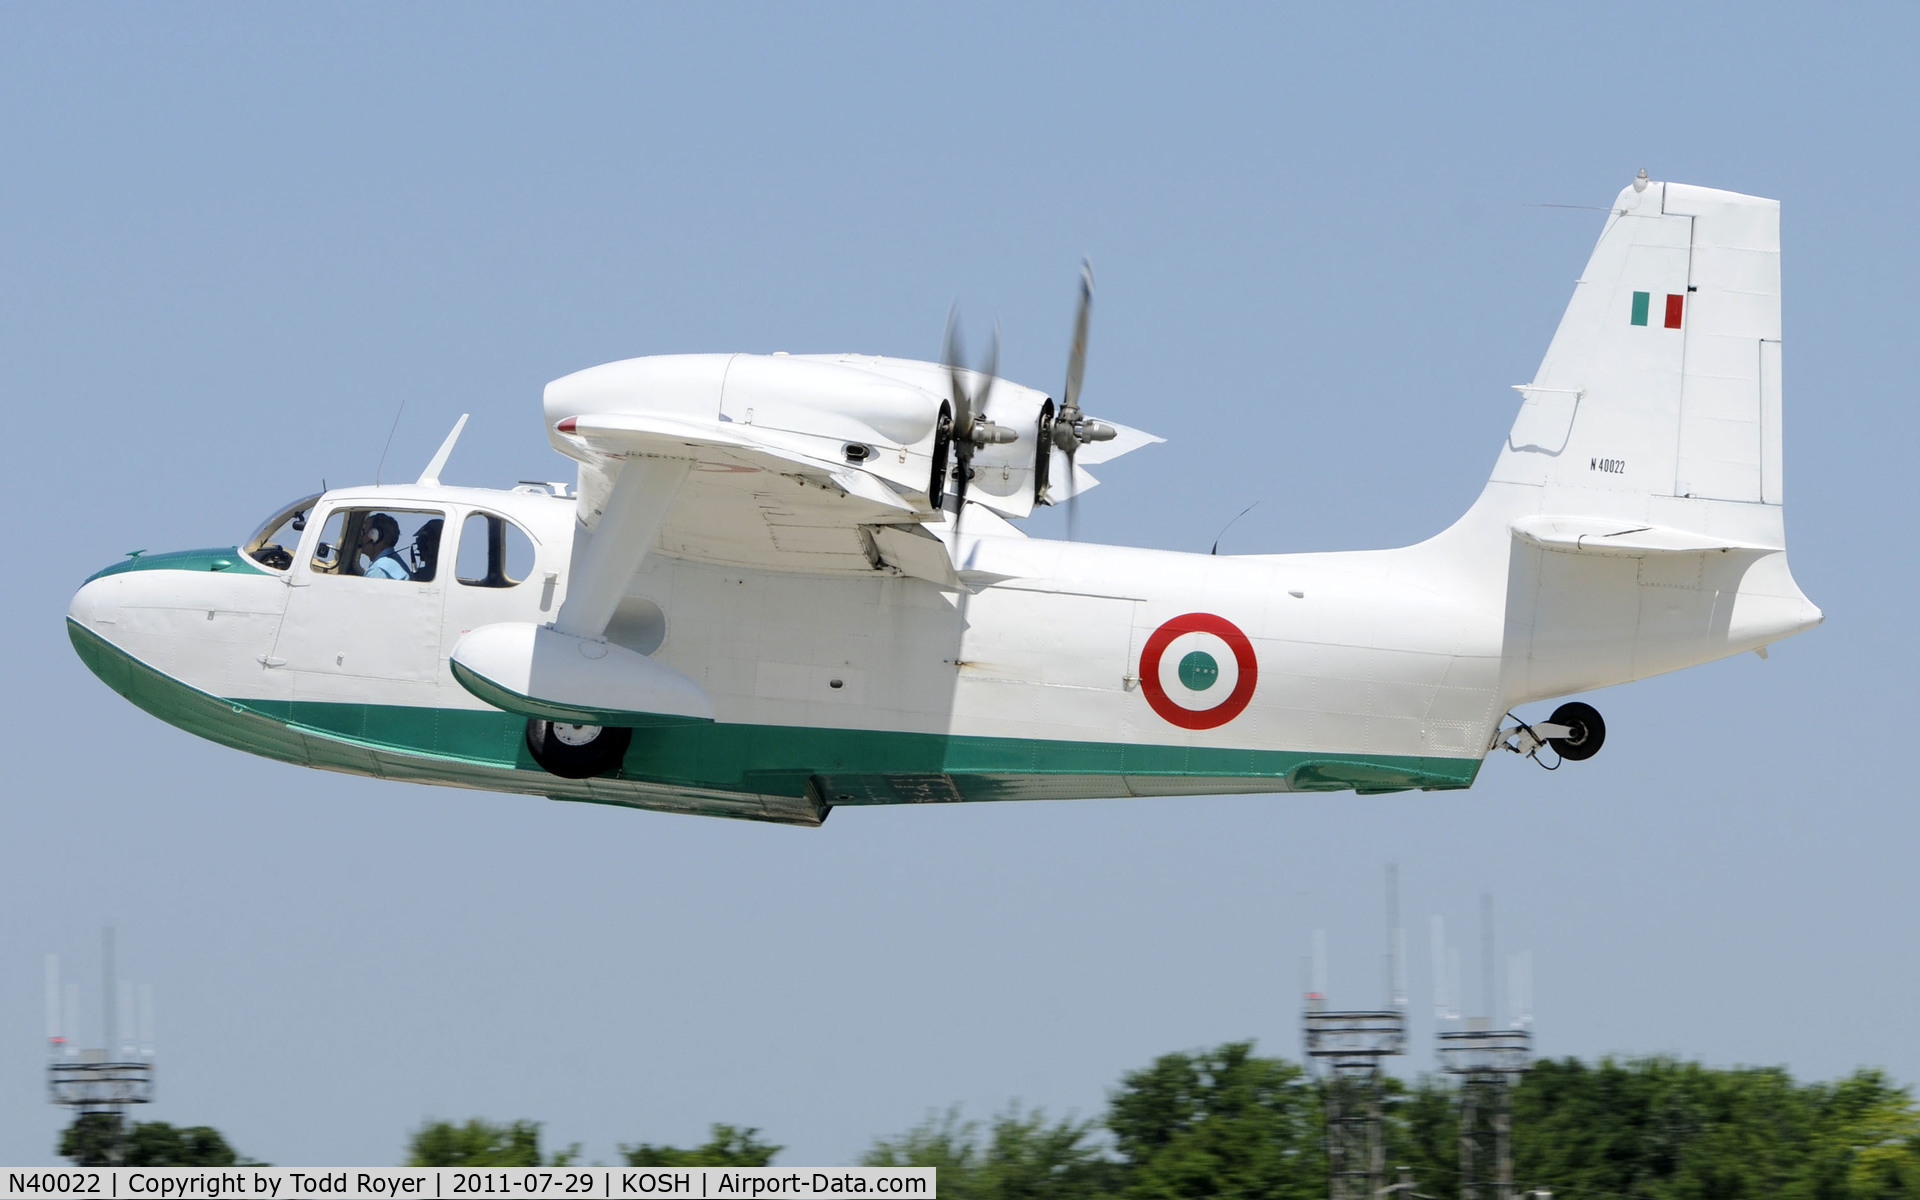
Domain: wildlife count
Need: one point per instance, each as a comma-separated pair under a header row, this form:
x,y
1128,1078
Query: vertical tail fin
x,y
1641,482
1661,388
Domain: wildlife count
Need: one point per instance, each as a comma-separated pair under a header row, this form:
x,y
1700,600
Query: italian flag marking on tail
x,y
1643,303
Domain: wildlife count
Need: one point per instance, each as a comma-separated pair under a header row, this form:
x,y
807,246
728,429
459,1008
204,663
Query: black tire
x,y
562,749
1589,731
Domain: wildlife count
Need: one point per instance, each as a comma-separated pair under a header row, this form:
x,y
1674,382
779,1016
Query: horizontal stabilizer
x,y
1591,535
537,671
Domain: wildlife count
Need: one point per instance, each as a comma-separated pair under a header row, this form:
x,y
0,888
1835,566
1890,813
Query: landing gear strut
x,y
1574,731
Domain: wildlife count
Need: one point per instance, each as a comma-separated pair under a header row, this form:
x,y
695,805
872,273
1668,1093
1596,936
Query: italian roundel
x,y
1198,671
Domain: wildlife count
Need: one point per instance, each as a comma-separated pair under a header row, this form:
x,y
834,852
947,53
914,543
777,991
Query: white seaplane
x,y
784,583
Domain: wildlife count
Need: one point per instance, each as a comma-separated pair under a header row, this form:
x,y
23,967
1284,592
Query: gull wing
x,y
773,462
751,497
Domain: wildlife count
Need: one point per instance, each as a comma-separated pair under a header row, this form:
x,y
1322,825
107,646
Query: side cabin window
x,y
272,545
494,552
381,543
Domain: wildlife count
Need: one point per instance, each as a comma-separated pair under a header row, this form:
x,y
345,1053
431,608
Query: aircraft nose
x,y
96,606
93,626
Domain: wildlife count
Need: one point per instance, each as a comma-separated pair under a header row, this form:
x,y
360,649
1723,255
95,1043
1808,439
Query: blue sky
x,y
235,239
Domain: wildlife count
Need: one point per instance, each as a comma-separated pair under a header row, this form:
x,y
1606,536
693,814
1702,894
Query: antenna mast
x,y
1486,959
1396,944
99,1082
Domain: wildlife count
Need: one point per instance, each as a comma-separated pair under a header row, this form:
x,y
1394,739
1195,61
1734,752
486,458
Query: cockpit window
x,y
272,545
494,552
381,543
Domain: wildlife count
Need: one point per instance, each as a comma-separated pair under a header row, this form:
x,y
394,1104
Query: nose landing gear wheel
x,y
576,751
1588,734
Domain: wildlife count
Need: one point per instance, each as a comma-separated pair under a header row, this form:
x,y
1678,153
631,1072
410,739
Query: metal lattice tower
x,y
1348,1047
1487,1062
118,1073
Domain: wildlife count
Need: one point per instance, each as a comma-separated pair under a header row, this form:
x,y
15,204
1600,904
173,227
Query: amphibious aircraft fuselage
x,y
782,584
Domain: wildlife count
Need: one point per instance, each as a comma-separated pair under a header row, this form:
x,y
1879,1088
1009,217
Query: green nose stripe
x,y
1198,671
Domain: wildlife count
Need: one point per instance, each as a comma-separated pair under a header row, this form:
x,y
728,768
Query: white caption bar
x,y
465,1183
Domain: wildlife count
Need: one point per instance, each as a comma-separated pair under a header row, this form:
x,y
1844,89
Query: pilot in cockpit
x,y
378,537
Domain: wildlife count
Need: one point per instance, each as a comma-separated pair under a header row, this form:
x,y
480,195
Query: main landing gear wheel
x,y
576,751
1587,731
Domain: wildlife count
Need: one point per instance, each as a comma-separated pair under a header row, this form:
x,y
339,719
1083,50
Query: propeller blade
x,y
1068,425
952,355
962,474
961,438
1077,355
988,373
963,418
984,432
1073,490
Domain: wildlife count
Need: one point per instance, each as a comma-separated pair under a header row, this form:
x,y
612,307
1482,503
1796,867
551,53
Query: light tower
x,y
1348,1047
1487,1061
118,1073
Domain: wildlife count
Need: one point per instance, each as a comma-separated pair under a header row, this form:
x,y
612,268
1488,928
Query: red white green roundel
x,y
1198,671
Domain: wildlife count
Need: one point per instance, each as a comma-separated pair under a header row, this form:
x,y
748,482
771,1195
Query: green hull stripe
x,y
844,766
227,559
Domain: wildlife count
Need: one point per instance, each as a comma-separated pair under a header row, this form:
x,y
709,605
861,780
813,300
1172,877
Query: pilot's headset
x,y
426,549
384,528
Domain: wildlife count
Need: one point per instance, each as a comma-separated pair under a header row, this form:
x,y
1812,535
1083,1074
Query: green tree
x,y
945,1143
1868,1128
1669,1130
1228,1123
158,1144
1423,1133
93,1140
1024,1155
481,1143
100,1139
1220,1122
103,1140
726,1146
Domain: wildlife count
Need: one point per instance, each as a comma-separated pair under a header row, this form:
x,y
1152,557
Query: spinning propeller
x,y
963,426
1067,428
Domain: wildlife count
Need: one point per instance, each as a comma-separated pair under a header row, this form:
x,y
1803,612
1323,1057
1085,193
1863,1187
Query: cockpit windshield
x,y
272,544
